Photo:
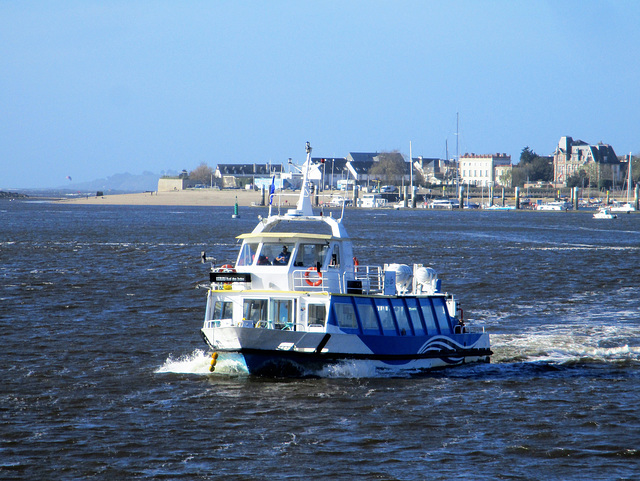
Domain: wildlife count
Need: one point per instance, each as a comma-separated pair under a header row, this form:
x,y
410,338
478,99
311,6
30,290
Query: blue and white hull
x,y
288,353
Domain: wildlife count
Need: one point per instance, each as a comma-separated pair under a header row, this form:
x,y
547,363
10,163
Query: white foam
x,y
569,344
199,362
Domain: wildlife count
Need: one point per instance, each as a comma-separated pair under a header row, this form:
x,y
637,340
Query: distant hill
x,y
119,183
11,195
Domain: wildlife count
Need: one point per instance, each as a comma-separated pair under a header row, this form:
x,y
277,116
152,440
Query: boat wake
x,y
608,346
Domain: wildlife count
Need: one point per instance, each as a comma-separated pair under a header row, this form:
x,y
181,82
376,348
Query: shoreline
x,y
203,197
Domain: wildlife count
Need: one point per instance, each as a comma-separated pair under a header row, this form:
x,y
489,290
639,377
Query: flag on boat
x,y
272,189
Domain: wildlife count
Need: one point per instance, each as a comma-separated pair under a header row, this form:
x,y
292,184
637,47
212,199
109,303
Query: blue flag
x,y
272,189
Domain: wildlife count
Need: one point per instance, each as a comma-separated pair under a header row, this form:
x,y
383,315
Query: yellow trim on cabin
x,y
272,292
285,235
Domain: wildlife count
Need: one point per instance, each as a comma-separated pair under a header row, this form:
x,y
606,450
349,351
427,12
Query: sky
x,y
89,89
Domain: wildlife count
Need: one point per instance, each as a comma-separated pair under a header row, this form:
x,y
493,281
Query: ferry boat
x,y
297,302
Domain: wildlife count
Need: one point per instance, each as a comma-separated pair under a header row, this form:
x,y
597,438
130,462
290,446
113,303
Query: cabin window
x,y
427,314
282,313
222,310
247,253
401,317
316,314
309,255
368,317
441,314
255,309
386,319
414,315
275,254
345,314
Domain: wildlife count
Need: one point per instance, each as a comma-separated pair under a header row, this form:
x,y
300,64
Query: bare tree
x,y
390,167
201,174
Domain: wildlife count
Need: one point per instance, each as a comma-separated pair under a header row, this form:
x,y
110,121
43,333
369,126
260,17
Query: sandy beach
x,y
204,197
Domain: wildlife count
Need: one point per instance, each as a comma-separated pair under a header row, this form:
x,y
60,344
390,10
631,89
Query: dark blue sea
x,y
103,372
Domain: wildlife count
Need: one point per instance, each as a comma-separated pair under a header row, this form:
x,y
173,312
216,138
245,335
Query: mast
x,y
629,178
304,201
411,170
457,151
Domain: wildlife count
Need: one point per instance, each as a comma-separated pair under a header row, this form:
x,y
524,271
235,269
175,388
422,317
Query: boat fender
x,y
309,281
214,360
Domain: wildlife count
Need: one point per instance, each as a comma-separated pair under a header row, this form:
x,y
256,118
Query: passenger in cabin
x,y
283,257
263,261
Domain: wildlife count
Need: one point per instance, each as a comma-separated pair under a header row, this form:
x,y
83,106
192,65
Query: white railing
x,y
371,277
310,280
368,280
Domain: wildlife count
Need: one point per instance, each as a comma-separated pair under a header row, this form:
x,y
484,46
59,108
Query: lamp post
x,y
332,175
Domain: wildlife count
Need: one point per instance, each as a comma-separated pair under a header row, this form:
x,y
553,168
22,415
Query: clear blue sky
x,y
89,89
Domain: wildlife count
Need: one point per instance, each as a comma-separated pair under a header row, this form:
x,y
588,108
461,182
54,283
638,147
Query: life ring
x,y
311,283
226,268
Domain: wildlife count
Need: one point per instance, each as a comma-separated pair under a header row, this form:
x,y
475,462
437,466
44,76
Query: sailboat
x,y
627,206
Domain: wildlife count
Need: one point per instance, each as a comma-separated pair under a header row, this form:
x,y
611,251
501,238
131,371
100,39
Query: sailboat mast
x,y
411,171
457,151
629,178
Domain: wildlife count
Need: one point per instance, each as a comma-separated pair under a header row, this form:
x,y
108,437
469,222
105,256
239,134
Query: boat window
x,y
401,317
345,314
386,319
427,313
368,317
316,314
247,253
255,309
281,313
275,254
441,314
222,310
310,254
414,315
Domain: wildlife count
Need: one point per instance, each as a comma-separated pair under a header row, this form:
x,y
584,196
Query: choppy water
x,y
104,374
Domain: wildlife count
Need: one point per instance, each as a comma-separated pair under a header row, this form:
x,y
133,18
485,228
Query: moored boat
x,y
297,302
604,213
554,206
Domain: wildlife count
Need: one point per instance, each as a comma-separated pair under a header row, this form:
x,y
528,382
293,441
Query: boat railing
x,y
311,280
362,280
371,279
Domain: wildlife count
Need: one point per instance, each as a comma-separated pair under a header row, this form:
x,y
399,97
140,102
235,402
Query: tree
x,y
541,169
201,174
578,179
526,156
390,167
506,177
532,168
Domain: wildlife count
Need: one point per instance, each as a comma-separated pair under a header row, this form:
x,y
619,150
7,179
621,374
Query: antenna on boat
x,y
304,206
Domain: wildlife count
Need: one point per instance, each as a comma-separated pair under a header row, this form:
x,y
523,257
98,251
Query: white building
x,y
480,170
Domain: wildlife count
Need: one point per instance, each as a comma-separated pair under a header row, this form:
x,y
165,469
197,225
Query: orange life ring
x,y
226,268
306,275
